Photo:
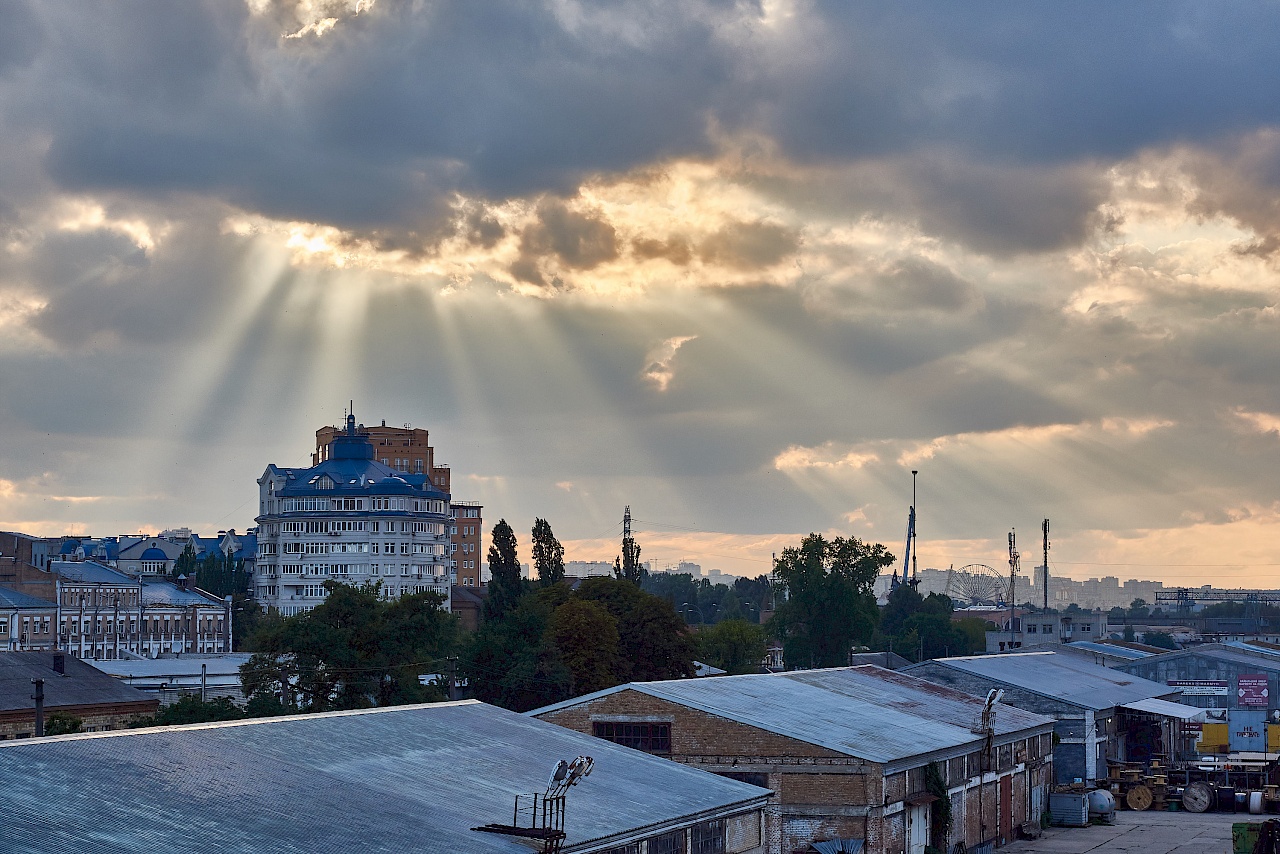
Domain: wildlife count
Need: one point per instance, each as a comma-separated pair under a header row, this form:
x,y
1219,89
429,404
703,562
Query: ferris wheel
x,y
978,584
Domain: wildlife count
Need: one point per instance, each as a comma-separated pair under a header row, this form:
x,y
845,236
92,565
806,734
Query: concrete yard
x,y
1141,833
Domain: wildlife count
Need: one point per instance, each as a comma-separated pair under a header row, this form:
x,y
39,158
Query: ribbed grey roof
x,y
167,593
865,712
916,696
88,571
397,780
82,684
15,599
1061,676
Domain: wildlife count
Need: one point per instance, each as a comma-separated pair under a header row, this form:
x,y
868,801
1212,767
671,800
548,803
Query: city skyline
x,y
742,267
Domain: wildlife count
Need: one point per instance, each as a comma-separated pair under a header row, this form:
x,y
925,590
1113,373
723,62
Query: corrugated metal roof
x,y
1167,709
382,781
866,715
167,593
81,685
1259,659
1061,676
228,664
88,571
16,599
1110,649
915,696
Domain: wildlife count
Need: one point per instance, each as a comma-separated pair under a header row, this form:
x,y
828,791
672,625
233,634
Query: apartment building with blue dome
x,y
351,519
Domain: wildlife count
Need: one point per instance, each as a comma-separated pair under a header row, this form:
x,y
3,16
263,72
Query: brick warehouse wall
x,y
96,718
819,793
717,744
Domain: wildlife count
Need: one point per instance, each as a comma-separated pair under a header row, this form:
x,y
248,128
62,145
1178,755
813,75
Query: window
x,y
633,848
4,626
649,737
1086,627
707,837
1048,629
667,843
1031,628
752,777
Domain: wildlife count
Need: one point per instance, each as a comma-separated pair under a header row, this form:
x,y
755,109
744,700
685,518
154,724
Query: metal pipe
x,y
38,696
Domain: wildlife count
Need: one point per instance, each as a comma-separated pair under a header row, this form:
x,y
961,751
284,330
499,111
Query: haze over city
x,y
741,266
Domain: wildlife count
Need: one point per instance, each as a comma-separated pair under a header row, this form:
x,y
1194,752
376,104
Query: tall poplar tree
x,y
548,554
504,572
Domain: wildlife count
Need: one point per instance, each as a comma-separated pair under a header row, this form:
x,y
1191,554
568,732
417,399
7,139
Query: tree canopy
x,y
505,584
557,643
736,646
911,624
352,651
829,603
548,554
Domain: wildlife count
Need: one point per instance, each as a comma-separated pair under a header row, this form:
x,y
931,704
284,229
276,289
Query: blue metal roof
x,y
153,554
352,469
379,781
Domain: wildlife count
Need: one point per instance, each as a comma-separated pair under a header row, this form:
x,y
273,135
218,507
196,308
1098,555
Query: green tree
x,y
1138,609
186,563
352,651
513,661
191,710
829,602
548,554
586,636
61,723
912,625
628,566
653,640
975,630
1164,640
733,645
505,586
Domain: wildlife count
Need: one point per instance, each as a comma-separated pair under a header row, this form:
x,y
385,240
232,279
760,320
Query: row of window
x,y
707,837
315,503
355,569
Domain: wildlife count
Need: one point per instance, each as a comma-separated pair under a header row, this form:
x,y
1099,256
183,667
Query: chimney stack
x,y
38,696
60,663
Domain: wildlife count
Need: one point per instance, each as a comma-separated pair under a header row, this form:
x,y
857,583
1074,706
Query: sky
x,y
742,266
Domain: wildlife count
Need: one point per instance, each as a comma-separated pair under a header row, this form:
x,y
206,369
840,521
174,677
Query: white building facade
x,y
353,520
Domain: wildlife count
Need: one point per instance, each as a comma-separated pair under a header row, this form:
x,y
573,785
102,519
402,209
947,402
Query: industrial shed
x,y
1238,680
845,751
380,781
1101,712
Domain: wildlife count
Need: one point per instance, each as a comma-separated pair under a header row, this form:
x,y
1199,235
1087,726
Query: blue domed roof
x,y
154,554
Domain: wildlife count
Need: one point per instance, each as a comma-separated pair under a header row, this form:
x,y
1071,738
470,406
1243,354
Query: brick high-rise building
x,y
408,449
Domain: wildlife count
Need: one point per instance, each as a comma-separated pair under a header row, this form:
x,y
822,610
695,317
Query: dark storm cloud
x,y
380,121
750,245
579,241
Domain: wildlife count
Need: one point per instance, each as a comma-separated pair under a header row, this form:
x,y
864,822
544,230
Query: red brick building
x,y
845,752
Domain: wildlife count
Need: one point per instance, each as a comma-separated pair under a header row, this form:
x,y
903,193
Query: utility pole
x,y
452,662
1013,581
1045,527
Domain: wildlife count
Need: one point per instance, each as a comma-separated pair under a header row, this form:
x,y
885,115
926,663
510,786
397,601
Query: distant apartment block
x,y
408,450
353,519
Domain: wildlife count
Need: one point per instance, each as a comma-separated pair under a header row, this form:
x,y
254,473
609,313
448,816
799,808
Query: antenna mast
x,y
915,545
1045,528
1013,580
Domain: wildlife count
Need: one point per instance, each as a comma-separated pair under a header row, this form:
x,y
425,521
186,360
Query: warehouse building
x,y
447,777
1237,681
1101,712
855,756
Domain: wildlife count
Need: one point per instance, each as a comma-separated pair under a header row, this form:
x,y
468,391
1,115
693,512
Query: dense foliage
x,y
557,643
700,602
829,605
911,624
736,646
352,651
548,554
